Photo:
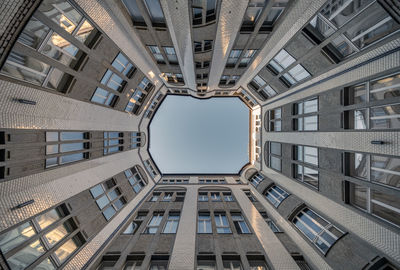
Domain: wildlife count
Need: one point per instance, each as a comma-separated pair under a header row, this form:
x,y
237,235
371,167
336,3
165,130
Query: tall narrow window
x,y
307,115
156,13
154,223
221,223
302,170
204,223
113,142
171,226
275,155
275,119
171,55
319,231
240,224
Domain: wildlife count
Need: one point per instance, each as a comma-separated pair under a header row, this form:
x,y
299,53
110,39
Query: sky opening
x,y
202,136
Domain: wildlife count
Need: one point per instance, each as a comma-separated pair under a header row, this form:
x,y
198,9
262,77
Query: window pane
x,y
48,218
102,201
46,264
311,122
275,163
34,33
154,8
311,155
69,147
385,117
67,249
386,206
385,88
311,106
311,176
358,196
96,191
322,29
70,136
284,59
275,148
360,119
13,238
62,13
57,234
71,158
26,256
385,170
60,49
130,229
299,73
109,212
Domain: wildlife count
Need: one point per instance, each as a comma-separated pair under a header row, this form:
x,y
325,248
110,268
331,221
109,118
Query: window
x,y
295,74
131,229
135,179
273,15
309,108
251,16
215,197
319,231
156,13
306,156
104,97
383,170
228,197
276,195
257,82
167,197
205,264
159,263
233,58
113,142
368,116
108,198
155,196
221,223
204,223
275,156
60,145
154,223
136,139
275,119
38,37
256,179
232,265
203,197
281,61
250,195
20,251
267,92
171,55
270,222
239,223
157,54
257,264
150,168
246,59
123,65
204,46
171,226
180,196
377,203
113,81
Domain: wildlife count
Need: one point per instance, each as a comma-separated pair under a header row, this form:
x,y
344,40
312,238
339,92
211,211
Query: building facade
x,y
81,80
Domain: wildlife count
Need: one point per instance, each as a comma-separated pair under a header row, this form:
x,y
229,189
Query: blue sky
x,y
189,135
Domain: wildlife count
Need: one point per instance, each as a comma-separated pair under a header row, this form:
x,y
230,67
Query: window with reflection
x,y
306,168
135,179
55,226
317,230
275,194
171,225
275,155
154,223
275,119
155,12
204,223
221,223
365,95
306,113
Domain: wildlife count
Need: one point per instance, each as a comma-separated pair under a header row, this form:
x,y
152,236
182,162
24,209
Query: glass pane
x,y
69,147
386,206
360,119
119,204
34,33
133,10
48,218
66,250
26,256
60,49
359,168
50,162
100,96
275,148
102,201
46,264
71,136
284,59
109,212
51,149
96,191
358,196
310,235
113,194
311,106
51,136
71,158
385,88
62,13
385,170
311,122
385,117
371,28
130,229
13,238
359,93
57,234
311,176
311,155
205,265
275,163
320,28
84,31
26,68
299,73
154,8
